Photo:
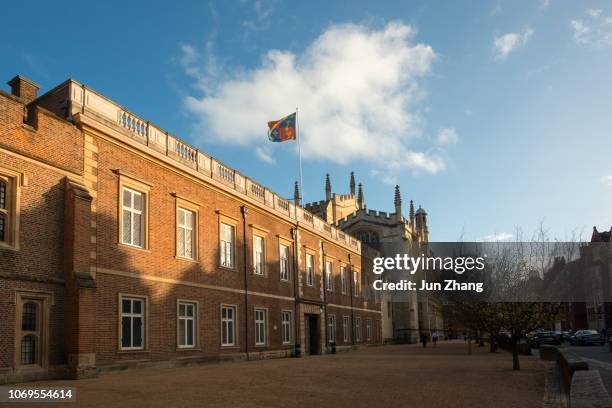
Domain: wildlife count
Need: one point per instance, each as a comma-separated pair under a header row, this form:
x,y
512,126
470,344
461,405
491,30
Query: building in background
x,y
407,314
121,244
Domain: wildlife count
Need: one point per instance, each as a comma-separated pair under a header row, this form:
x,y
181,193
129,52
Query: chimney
x,y
23,88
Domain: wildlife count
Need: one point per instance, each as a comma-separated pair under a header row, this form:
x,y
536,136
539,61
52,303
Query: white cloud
x,y
264,153
594,29
447,137
544,4
501,236
358,90
607,180
505,44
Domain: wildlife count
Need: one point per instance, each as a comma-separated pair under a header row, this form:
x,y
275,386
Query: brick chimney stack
x,y
23,88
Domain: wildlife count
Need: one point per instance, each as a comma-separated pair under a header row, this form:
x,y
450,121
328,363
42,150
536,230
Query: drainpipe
x,y
244,210
350,284
324,294
296,292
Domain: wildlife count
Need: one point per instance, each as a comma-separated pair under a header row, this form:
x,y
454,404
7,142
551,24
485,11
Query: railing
x,y
225,173
132,123
284,204
163,143
258,191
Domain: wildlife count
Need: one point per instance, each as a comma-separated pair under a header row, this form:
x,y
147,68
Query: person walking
x,y
434,338
424,340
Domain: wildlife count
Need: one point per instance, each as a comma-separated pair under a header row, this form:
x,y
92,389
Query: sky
x,y
495,116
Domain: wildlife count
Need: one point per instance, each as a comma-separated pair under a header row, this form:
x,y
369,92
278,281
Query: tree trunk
x,y
470,344
515,356
492,344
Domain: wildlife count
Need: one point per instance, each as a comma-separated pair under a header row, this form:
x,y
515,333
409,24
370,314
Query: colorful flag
x,y
284,129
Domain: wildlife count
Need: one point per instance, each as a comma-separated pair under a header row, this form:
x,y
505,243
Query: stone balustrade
x,y
84,100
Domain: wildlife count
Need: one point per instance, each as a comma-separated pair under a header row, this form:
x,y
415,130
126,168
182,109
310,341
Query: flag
x,y
284,129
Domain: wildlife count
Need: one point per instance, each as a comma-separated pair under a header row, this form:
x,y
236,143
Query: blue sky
x,y
492,115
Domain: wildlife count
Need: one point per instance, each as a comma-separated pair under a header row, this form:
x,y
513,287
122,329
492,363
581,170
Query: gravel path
x,y
387,376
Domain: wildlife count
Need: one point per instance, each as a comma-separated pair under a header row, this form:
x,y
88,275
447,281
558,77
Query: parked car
x,y
545,337
586,337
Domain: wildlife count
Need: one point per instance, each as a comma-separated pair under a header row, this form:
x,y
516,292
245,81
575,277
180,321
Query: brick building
x,y
120,244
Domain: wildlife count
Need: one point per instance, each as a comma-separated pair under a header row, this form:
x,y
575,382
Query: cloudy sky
x,y
492,115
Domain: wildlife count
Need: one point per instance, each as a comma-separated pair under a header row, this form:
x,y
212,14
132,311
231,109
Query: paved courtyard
x,y
387,376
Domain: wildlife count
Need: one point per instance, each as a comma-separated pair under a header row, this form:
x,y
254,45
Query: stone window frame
x,y
288,243
263,234
196,324
183,203
312,253
331,328
131,183
232,222
234,307
45,300
343,278
368,330
328,260
266,320
14,182
145,332
346,328
290,322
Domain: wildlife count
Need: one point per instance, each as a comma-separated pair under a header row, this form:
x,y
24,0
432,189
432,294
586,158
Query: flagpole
x,y
297,136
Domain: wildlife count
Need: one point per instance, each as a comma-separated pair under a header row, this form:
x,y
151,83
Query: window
x,y
343,279
260,327
286,326
186,241
30,332
9,208
187,327
368,330
228,325
132,323
133,217
227,234
329,283
309,270
258,255
4,210
331,328
345,329
356,283
358,329
284,262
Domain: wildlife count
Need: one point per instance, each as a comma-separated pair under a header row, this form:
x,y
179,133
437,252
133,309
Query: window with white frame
x,y
356,283
226,240
331,328
343,279
345,329
258,255
186,239
286,326
187,324
133,205
284,262
358,329
132,323
228,325
329,282
260,327
5,213
309,270
368,330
